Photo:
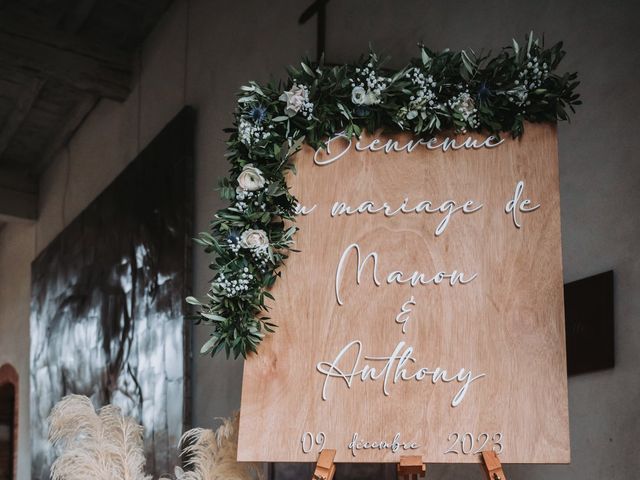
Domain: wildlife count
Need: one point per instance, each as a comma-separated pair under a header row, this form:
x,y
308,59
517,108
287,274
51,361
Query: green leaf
x,y
208,346
268,295
344,111
259,90
211,316
468,62
426,59
307,70
193,301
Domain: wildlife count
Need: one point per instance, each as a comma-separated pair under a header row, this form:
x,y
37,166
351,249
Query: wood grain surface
x,y
508,323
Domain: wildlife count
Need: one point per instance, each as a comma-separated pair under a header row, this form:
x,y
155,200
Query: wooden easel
x,y
411,467
492,465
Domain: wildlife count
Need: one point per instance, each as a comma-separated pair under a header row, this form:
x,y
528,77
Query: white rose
x,y
371,98
295,98
358,95
254,239
251,179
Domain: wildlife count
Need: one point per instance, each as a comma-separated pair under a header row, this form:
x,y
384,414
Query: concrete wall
x,y
202,51
17,248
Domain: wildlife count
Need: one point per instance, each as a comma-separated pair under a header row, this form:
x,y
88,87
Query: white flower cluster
x,y
242,196
232,287
297,100
249,180
251,239
261,256
425,97
519,95
234,245
529,78
368,86
533,74
251,133
464,105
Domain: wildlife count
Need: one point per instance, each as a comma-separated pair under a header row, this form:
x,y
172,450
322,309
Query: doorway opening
x,y
8,421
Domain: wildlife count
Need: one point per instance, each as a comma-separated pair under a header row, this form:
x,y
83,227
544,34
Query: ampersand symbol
x,y
403,317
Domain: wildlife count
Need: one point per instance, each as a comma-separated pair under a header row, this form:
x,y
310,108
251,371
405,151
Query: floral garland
x,y
446,91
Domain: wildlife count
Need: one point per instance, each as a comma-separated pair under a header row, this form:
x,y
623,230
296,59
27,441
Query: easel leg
x,y
411,468
325,468
492,466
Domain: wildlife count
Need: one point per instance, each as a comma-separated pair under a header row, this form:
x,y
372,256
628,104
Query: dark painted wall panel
x,y
107,310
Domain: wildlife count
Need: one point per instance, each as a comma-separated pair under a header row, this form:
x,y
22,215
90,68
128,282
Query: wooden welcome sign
x,y
424,313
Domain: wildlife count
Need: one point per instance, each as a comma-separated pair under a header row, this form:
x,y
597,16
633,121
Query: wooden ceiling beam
x,y
71,123
22,107
78,15
27,44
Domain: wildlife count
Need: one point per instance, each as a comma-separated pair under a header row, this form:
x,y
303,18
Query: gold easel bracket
x,y
325,468
411,467
492,465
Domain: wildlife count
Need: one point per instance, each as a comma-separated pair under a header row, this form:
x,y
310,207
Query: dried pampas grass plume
x,y
212,455
105,445
101,445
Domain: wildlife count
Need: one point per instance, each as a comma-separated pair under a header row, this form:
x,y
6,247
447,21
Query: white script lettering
x,y
515,204
448,207
304,210
395,445
394,370
396,276
393,146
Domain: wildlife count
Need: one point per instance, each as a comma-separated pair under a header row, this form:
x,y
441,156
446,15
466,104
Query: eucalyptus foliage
x,y
436,92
